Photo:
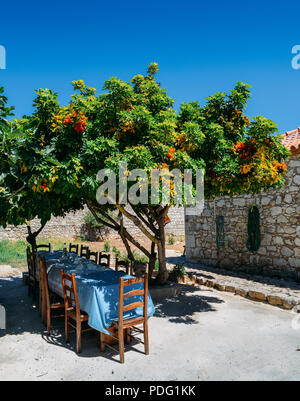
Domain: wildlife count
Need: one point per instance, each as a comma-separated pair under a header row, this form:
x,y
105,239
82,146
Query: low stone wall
x,y
279,253
72,226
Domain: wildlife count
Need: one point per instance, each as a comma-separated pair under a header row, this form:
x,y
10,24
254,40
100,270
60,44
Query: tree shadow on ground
x,y
22,317
261,278
90,344
22,311
182,309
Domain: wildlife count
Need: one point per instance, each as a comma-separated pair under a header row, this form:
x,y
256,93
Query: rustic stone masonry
x,y
279,253
276,292
72,226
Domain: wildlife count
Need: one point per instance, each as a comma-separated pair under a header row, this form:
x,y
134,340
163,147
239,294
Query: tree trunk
x,y
161,246
152,260
31,238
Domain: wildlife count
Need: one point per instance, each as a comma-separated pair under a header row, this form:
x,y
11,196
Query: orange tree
x,y
240,155
22,193
135,123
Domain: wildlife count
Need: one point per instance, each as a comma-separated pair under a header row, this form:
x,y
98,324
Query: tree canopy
x,y
62,148
20,161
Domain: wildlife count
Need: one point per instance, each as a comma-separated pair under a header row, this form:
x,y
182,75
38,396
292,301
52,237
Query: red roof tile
x,y
291,140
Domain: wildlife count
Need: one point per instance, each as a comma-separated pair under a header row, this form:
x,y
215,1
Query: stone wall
x,y
279,253
72,226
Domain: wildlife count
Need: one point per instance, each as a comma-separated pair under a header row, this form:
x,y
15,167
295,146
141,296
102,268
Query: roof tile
x,y
291,140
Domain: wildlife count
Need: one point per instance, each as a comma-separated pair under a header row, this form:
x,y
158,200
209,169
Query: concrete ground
x,y
201,335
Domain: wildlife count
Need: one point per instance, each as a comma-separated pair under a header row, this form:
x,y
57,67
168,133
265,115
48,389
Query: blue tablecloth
x,y
98,289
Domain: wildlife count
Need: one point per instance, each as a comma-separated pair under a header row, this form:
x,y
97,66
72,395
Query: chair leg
x,y
146,337
78,337
44,309
48,320
121,344
127,337
102,342
67,327
40,300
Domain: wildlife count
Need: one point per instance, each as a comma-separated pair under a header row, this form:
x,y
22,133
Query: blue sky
x,y
201,48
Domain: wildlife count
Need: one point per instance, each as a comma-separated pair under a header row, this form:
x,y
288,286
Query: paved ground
x,y
202,335
275,291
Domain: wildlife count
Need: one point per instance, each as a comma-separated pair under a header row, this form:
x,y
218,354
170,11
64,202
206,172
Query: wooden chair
x,y
123,265
74,248
41,288
129,325
93,256
84,250
50,301
72,309
43,247
105,257
32,281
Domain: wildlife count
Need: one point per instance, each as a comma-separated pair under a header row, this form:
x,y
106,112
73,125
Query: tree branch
x,y
137,222
98,219
16,192
117,228
148,223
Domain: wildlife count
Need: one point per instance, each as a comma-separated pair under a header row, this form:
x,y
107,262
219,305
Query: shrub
x,y
124,257
106,246
116,252
171,240
181,238
140,258
178,271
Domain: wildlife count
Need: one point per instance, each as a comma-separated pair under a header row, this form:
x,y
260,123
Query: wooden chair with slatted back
x,y
74,248
32,281
129,325
105,257
43,247
122,265
72,309
93,256
84,250
50,301
41,288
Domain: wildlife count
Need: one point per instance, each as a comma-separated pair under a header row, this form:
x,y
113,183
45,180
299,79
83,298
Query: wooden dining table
x,y
97,286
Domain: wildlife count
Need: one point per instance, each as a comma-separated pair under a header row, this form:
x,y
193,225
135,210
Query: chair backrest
x,y
74,248
30,262
70,292
93,256
46,247
84,250
144,304
105,257
124,265
43,279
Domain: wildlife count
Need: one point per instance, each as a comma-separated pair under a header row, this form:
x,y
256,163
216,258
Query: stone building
x,y
73,226
279,251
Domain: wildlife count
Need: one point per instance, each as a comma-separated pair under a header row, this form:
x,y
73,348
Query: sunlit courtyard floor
x,y
201,335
